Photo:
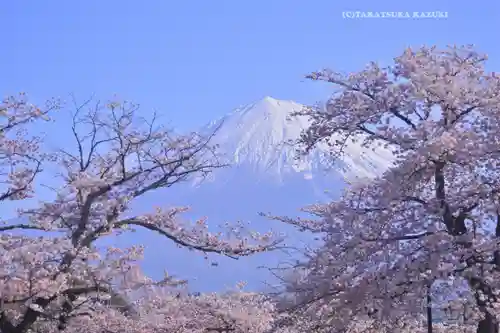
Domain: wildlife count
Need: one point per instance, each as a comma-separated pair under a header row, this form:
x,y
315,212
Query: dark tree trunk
x,y
429,308
487,325
429,318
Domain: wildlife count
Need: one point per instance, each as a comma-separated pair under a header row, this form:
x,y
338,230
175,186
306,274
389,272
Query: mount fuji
x,y
264,176
258,136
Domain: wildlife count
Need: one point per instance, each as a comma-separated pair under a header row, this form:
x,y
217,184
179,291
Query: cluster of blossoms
x,y
55,277
423,235
430,225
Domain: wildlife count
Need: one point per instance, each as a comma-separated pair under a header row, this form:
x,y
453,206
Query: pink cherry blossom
x,y
431,219
59,279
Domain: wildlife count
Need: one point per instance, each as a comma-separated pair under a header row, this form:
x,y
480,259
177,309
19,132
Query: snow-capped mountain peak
x,y
258,136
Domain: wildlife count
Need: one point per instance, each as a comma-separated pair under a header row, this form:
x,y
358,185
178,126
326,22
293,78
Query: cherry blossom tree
x,y
60,279
434,214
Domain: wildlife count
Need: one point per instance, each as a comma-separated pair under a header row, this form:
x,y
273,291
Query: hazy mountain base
x,y
239,194
264,176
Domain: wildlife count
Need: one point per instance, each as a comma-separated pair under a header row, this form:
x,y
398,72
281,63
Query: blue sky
x,y
194,61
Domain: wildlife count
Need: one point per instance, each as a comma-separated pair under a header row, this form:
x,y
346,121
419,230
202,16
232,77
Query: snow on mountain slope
x,y
256,136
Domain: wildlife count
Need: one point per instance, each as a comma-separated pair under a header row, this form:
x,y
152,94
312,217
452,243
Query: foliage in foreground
x,y
427,228
60,279
430,226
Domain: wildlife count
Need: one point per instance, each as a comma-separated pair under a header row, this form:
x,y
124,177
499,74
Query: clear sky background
x,y
196,60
